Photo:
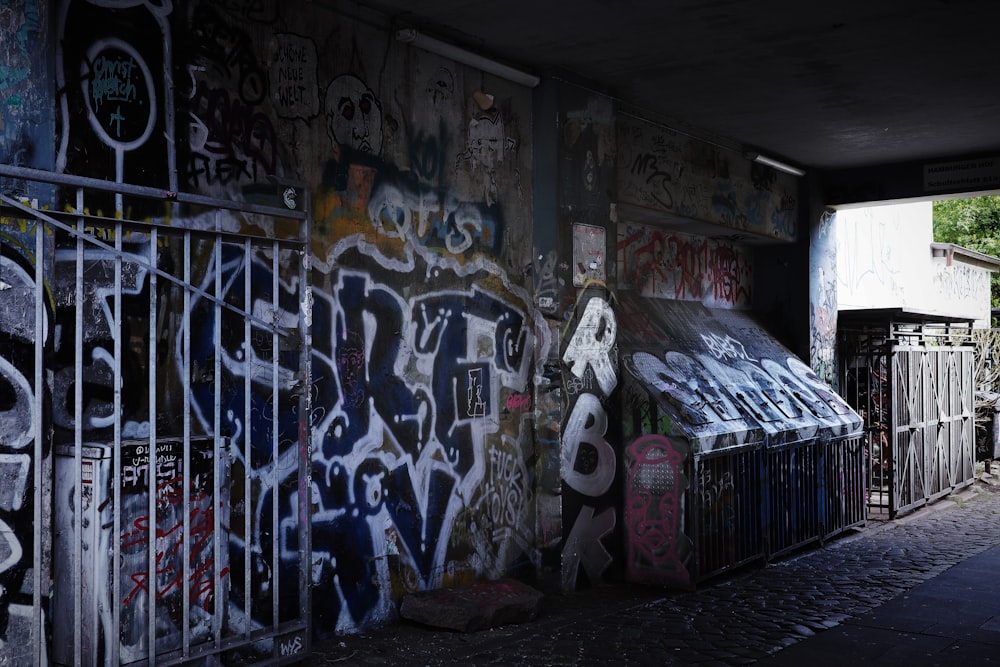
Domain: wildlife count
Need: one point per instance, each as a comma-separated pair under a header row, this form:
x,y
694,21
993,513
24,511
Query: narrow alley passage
x,y
750,617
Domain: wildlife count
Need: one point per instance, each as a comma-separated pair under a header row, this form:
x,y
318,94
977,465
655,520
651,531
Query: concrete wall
x,y
465,263
884,260
422,312
663,170
588,326
26,129
823,276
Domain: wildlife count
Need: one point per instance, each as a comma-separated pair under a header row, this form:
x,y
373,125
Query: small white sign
x,y
963,175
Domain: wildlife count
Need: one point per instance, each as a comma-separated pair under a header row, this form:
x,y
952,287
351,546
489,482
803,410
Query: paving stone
x,y
753,614
474,607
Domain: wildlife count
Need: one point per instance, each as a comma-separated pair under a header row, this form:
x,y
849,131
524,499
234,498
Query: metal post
x,y
217,421
305,421
116,483
247,433
275,373
187,472
41,330
78,440
151,475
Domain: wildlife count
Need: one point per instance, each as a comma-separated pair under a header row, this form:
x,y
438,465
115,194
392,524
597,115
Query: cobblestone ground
x,y
734,622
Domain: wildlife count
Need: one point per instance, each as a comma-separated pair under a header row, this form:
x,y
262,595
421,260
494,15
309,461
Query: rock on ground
x,y
476,607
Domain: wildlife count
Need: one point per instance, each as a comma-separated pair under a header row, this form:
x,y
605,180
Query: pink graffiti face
x,y
353,115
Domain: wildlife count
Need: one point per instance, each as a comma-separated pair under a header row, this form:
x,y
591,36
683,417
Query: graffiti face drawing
x,y
487,142
441,86
353,115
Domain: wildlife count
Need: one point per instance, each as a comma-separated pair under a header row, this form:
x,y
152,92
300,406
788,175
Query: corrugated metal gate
x,y
157,371
914,386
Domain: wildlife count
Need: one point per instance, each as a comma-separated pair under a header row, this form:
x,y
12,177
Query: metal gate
x,y
154,410
755,502
913,385
933,444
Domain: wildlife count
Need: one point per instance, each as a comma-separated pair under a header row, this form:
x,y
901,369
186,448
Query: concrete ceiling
x,y
826,85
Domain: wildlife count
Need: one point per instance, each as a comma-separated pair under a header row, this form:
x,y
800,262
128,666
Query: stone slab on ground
x,y
479,606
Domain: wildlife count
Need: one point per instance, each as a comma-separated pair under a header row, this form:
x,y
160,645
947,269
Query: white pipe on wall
x,y
458,54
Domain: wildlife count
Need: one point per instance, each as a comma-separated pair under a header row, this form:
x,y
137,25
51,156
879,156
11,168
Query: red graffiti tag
x,y
168,577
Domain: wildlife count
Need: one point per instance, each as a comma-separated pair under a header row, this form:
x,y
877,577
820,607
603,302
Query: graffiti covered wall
x,y
421,300
24,450
886,260
422,320
667,171
26,120
823,308
465,383
704,386
590,453
670,265
25,99
115,116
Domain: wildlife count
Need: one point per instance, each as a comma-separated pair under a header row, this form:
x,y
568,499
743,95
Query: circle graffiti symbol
x,y
118,89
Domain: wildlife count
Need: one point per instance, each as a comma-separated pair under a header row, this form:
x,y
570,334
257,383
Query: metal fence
x,y
157,354
913,385
725,518
755,502
843,486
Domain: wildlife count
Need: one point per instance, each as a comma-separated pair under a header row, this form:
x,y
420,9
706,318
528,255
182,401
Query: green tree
x,y
974,224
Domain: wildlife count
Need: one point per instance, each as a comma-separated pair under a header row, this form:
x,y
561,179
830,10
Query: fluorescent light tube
x,y
774,164
458,54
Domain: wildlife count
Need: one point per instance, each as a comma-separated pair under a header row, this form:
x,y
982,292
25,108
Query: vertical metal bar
x,y
188,473
248,432
216,431
151,583
892,464
305,426
119,170
116,484
168,113
275,373
78,440
41,330
693,509
926,423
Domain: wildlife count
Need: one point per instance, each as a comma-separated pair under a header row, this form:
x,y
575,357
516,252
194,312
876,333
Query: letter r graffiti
x,y
593,343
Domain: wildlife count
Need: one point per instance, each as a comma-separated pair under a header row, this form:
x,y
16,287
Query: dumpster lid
x,y
723,379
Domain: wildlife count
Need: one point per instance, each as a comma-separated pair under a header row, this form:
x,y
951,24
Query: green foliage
x,y
974,224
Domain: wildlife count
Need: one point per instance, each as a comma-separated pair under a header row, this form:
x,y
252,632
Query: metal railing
x,y
726,516
754,502
164,382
